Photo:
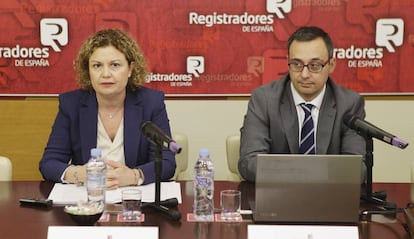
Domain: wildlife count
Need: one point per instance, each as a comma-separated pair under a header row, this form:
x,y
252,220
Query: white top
x,y
111,150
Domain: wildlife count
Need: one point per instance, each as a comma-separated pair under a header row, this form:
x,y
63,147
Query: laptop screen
x,y
307,188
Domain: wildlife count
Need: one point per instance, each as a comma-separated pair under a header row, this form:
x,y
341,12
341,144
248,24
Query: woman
x,y
107,112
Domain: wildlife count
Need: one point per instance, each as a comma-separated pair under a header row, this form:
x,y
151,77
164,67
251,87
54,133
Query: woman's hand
x,y
76,174
118,175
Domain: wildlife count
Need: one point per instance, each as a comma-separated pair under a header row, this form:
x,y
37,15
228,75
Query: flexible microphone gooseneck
x,y
158,137
365,128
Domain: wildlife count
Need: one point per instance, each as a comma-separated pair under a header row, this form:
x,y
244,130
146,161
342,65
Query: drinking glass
x,y
230,201
131,204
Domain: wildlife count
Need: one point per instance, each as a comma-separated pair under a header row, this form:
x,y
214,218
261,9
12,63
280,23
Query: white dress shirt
x,y
317,102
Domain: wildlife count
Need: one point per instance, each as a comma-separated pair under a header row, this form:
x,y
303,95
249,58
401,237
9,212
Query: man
x,y
274,118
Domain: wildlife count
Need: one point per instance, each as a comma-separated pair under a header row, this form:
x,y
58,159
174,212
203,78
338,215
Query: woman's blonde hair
x,y
123,43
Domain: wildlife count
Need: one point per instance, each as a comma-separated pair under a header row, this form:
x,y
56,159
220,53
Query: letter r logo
x,y
255,65
390,33
195,65
279,7
54,31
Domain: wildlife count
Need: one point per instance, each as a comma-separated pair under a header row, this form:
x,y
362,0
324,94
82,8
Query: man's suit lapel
x,y
88,117
325,122
289,119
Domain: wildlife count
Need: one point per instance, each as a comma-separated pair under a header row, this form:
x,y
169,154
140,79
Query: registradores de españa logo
x,y
53,33
248,21
389,35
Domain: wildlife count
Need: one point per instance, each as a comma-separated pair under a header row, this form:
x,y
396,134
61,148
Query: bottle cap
x,y
95,152
204,153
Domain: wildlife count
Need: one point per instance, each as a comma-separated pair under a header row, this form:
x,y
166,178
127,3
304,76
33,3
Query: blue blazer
x,y
74,133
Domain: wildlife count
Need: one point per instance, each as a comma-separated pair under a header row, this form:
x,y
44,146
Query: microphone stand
x,y
158,205
369,162
158,171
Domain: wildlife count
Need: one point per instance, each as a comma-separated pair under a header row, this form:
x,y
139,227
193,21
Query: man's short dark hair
x,y
309,33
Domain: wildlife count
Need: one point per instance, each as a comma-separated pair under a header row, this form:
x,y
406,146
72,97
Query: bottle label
x,y
97,179
96,186
202,182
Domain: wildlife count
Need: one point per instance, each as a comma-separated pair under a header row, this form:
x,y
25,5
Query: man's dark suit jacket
x,y
74,133
271,124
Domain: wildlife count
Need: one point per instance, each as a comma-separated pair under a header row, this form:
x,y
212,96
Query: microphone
x,y
366,128
171,202
173,214
158,137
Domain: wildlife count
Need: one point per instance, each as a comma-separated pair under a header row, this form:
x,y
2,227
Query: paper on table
x,y
168,190
64,194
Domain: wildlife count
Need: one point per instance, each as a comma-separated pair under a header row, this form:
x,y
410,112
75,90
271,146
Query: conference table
x,y
18,221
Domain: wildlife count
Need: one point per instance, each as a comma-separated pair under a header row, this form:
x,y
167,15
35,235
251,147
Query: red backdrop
x,y
208,47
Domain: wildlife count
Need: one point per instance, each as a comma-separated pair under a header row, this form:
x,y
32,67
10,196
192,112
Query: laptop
x,y
409,218
307,188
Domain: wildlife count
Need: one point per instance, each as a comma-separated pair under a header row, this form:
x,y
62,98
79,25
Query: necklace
x,y
111,115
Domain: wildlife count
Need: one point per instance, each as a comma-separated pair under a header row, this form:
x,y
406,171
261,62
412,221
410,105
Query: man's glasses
x,y
314,67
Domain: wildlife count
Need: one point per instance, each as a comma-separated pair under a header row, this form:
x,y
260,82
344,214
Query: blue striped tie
x,y
307,136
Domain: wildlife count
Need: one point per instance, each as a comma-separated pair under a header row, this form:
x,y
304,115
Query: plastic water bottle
x,y
203,207
96,175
